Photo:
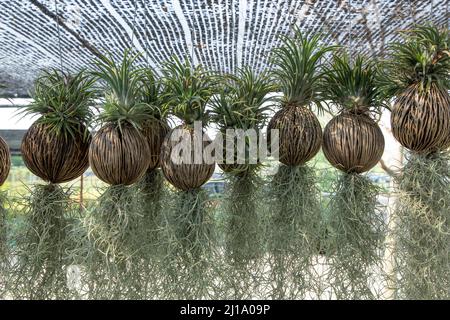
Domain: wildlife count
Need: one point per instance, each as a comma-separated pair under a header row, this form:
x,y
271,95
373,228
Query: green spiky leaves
x,y
243,101
187,89
298,68
423,59
353,86
126,96
63,101
151,94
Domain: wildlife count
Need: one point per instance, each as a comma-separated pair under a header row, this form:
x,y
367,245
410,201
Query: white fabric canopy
x,y
221,34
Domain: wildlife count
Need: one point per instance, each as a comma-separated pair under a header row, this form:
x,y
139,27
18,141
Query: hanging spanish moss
x,y
152,198
356,227
422,228
112,257
3,229
4,250
189,252
294,230
41,258
151,193
242,227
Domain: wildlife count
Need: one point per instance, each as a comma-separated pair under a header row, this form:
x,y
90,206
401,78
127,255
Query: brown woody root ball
x,y
421,121
119,156
185,175
300,134
353,142
155,131
53,156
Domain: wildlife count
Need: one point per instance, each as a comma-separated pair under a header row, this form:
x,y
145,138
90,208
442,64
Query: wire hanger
x,y
58,28
350,27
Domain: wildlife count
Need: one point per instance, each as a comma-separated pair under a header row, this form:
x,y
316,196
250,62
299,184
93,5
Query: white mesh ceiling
x,y
221,34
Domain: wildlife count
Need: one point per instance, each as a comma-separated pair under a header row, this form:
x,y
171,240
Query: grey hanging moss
x,y
293,233
422,232
356,230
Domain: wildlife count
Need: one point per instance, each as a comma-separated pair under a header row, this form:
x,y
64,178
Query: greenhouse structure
x,y
225,150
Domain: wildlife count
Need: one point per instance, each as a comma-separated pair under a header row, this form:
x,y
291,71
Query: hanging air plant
x,y
417,76
150,190
55,148
154,129
294,224
354,143
119,155
242,106
187,89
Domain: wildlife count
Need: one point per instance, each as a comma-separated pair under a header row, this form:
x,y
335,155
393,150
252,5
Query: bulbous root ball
x,y
300,134
5,161
177,161
119,157
155,131
420,121
248,153
54,156
353,143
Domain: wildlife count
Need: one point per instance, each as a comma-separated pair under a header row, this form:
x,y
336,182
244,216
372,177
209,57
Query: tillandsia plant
x,y
119,155
55,148
5,166
155,128
294,223
354,143
189,258
240,111
417,76
151,191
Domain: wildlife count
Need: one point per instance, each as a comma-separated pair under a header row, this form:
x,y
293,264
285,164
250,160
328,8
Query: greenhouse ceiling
x,y
221,34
